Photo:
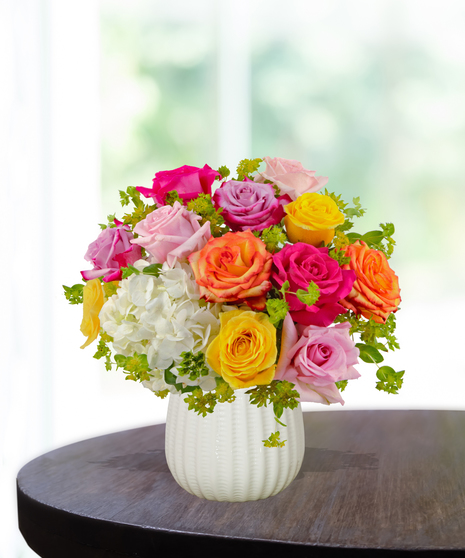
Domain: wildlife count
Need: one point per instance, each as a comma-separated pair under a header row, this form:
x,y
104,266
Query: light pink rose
x,y
290,177
111,251
316,360
171,233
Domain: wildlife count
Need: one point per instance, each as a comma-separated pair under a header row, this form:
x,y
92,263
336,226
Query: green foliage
x,y
274,441
349,212
141,210
74,294
379,240
202,205
204,402
341,386
390,381
136,366
277,309
172,197
310,296
224,171
369,353
247,167
110,288
279,393
103,350
193,365
274,238
161,393
370,331
153,269
110,224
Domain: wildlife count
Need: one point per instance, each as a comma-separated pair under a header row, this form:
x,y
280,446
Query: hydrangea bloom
x,y
161,317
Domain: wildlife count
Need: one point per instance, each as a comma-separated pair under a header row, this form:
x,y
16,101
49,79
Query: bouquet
x,y
257,284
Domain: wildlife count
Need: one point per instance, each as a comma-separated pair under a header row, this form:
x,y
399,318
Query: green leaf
x,y
172,197
373,237
354,236
284,288
74,294
224,171
390,381
277,309
341,386
153,269
369,354
311,296
170,378
128,271
274,441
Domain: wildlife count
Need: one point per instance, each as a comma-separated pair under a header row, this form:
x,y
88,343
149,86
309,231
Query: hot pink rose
x,y
291,177
111,251
316,360
302,263
248,205
171,233
188,182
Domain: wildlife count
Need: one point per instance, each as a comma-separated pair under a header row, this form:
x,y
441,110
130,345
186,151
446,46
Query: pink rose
x,y
111,251
188,182
171,233
291,177
302,263
316,360
248,205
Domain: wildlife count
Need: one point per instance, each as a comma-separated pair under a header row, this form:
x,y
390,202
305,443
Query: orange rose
x,y
233,268
375,293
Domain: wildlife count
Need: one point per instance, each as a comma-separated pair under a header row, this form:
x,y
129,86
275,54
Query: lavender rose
x,y
248,205
302,263
316,360
291,177
109,252
171,233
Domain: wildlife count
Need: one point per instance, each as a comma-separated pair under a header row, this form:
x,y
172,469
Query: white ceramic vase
x,y
222,456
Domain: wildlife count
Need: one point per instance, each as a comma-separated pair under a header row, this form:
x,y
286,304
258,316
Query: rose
x,y
233,268
92,296
312,218
111,251
244,352
316,360
302,263
375,293
188,182
291,177
171,233
247,205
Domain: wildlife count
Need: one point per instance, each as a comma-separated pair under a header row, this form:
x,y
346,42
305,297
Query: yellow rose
x,y
244,353
92,304
312,218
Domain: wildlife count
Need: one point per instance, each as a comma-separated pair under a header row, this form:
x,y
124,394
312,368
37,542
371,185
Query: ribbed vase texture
x,y
222,456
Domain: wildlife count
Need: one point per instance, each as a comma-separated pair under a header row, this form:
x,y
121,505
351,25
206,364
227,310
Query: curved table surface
x,y
373,483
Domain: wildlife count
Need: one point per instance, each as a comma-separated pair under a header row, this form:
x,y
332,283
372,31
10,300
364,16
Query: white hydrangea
x,y
161,317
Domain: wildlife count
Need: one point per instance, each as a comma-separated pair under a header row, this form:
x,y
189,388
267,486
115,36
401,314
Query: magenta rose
x,y
316,360
171,233
291,177
111,251
248,205
302,263
188,182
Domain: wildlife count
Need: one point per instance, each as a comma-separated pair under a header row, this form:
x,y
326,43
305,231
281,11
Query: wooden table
x,y
373,483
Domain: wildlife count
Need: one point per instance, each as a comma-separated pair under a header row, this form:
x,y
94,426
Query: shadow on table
x,y
316,460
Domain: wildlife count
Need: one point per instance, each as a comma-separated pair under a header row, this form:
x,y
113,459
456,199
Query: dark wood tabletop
x,y
373,483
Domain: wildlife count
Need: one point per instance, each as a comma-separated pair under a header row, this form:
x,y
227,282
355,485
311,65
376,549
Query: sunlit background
x,y
99,96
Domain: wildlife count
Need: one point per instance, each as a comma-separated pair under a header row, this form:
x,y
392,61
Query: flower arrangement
x,y
259,285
